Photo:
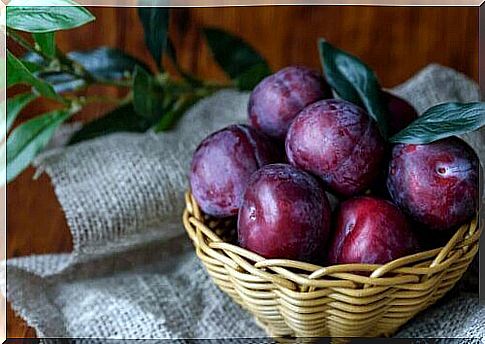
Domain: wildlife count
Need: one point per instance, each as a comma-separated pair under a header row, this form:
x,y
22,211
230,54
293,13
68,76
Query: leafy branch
x,y
155,100
354,81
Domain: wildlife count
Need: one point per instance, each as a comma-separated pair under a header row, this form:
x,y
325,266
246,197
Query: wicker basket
x,y
291,298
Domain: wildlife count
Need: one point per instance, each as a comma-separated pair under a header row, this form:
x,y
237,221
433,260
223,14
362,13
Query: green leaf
x,y
15,105
104,63
247,80
122,119
155,25
31,66
171,52
148,96
237,58
29,138
46,42
107,63
441,121
60,15
32,58
171,117
62,82
172,55
18,73
354,81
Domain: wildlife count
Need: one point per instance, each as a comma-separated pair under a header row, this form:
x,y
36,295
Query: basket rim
x,y
408,269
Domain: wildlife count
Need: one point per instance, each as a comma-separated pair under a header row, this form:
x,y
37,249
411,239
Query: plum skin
x,y
401,113
222,165
285,214
370,230
436,183
278,99
337,141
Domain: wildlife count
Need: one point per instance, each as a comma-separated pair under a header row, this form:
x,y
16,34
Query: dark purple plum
x,y
222,164
436,183
401,113
370,230
337,141
277,99
285,214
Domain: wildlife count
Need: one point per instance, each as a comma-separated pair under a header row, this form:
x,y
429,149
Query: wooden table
x,y
396,42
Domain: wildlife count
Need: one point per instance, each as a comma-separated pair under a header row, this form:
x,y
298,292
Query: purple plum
x,y
277,99
337,141
401,113
435,183
285,214
222,164
370,230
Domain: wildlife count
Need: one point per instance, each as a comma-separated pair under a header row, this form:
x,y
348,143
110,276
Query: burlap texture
x,y
133,273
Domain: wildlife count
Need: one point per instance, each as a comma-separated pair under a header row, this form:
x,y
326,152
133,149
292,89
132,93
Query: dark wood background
x,y
395,41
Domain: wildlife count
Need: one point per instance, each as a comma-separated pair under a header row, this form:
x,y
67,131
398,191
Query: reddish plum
x,y
276,100
372,231
401,113
436,183
339,142
222,164
285,213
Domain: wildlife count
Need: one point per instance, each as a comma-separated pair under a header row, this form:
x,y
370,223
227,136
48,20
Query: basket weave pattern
x,y
291,298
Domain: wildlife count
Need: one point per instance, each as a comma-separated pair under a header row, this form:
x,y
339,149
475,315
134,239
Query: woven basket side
x,y
300,299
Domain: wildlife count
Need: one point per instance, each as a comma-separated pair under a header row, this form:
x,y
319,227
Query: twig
x,y
25,44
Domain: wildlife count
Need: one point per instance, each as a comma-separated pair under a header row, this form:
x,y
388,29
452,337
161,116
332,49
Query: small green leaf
x,y
62,82
18,73
171,117
148,96
237,58
104,63
15,105
46,42
172,55
247,80
155,25
32,58
354,81
31,66
107,63
60,15
122,119
171,52
441,121
29,138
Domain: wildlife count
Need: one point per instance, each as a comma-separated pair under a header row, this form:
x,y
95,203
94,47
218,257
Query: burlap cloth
x,y
133,273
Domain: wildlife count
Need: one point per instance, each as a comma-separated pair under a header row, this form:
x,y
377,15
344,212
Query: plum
x,y
222,164
401,113
372,231
337,141
285,214
277,99
435,183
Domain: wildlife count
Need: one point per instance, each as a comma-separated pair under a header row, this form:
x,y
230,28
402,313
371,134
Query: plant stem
x,y
116,83
79,71
101,99
217,86
72,66
25,44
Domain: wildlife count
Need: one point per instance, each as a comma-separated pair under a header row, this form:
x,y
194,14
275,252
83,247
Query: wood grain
x,y
395,41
